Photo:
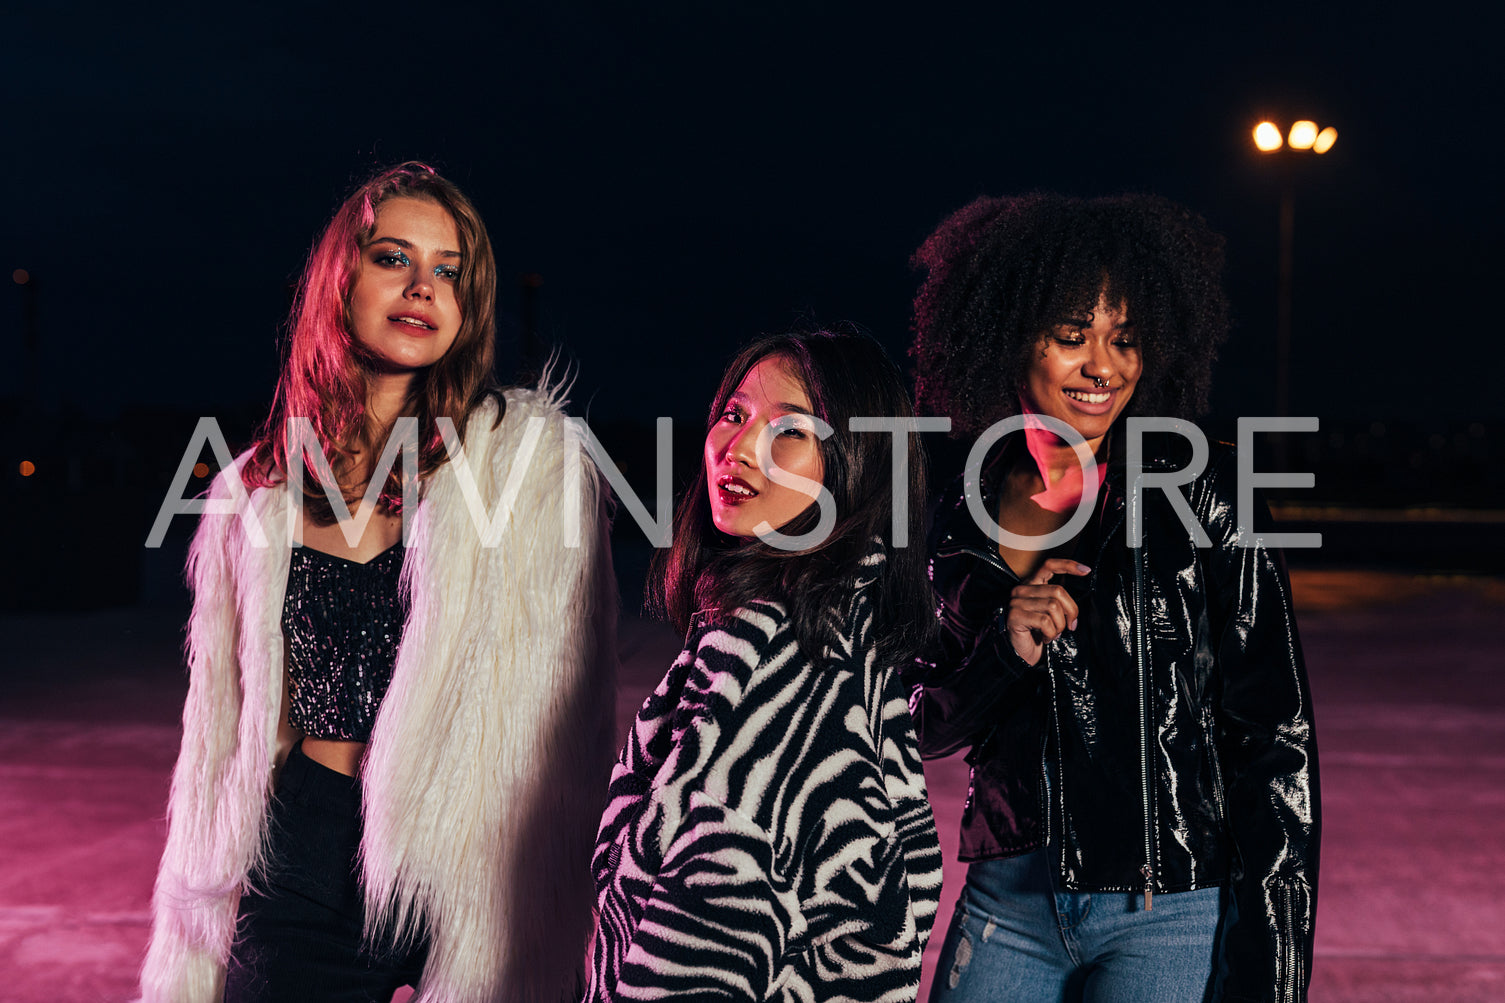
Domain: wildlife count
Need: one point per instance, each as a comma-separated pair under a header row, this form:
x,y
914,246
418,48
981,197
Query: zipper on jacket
x,y
1046,801
1290,979
1141,646
1045,792
991,558
1209,737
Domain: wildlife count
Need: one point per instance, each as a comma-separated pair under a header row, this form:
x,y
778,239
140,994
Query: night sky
x,y
685,176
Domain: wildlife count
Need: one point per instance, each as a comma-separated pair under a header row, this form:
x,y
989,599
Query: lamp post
x,y
1303,138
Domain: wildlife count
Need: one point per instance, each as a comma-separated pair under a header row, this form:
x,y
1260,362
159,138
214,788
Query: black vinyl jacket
x,y
1164,745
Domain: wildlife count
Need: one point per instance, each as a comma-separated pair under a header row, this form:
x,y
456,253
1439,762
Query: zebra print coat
x,y
767,833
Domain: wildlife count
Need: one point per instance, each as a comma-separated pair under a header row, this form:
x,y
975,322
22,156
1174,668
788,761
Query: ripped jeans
x,y
1016,936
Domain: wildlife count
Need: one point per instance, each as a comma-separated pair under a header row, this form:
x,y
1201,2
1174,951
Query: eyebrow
x,y
1083,321
741,398
408,245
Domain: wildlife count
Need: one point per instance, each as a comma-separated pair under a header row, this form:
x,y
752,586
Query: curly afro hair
x,y
1001,271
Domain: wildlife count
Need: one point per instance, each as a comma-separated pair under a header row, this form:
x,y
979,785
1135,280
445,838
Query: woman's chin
x,y
729,527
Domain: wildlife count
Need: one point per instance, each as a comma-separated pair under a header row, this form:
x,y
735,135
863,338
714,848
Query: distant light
x,y
1303,135
1325,140
1267,137
201,469
28,468
20,276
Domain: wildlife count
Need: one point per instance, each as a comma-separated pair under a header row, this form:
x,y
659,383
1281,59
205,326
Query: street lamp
x,y
1303,138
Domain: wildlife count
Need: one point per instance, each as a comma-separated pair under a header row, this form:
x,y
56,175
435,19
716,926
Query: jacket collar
x,y
959,532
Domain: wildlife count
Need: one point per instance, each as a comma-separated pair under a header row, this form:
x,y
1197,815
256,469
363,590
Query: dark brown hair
x,y
846,375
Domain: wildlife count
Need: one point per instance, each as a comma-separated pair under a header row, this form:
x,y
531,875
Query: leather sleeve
x,y
1267,747
960,679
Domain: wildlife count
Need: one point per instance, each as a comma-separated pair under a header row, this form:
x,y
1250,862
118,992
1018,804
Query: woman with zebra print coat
x,y
767,833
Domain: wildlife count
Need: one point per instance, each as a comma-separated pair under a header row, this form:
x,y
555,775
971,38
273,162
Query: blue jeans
x,y
1018,937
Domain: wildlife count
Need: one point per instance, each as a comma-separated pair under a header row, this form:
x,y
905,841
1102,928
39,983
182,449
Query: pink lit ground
x,y
1409,677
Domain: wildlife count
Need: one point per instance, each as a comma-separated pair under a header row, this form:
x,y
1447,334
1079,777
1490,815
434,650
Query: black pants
x,y
298,935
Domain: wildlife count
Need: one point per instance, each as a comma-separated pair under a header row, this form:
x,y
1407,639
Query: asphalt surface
x,y
1409,681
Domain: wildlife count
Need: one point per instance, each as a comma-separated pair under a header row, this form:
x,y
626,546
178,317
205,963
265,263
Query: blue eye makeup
x,y
394,257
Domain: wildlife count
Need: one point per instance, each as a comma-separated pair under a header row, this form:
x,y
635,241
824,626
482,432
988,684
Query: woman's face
x,y
1086,371
742,496
403,304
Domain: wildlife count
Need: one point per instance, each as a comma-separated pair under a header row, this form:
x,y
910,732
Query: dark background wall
x,y
682,176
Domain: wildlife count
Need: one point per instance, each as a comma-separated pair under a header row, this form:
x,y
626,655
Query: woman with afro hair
x,y
1117,650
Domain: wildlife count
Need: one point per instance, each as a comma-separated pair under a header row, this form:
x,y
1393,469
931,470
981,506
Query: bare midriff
x,y
336,754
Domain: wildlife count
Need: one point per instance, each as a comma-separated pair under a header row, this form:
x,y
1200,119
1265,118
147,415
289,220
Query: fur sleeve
x,y
217,804
488,763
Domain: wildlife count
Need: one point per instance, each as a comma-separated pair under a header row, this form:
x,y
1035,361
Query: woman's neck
x,y
1060,472
386,399
1056,458
386,395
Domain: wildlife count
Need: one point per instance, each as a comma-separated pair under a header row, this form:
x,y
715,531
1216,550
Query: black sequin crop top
x,y
342,622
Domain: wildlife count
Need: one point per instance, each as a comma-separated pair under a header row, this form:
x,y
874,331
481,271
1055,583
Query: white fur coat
x,y
487,766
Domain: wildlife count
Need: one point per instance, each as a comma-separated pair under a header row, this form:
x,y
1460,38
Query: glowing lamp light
x,y
201,470
27,468
1303,135
1267,137
1325,140
20,276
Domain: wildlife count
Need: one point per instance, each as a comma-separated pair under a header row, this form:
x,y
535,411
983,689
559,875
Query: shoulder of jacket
x,y
750,658
229,485
752,636
545,402
1219,451
950,506
757,621
509,411
1222,466
547,398
1162,449
503,425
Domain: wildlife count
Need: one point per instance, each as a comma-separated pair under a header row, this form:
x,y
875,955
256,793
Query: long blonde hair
x,y
325,374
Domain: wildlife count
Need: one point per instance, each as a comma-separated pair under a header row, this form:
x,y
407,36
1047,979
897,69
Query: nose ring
x,y
1098,381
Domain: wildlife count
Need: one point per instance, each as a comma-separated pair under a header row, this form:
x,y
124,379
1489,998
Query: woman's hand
x,y
1039,612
